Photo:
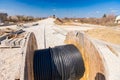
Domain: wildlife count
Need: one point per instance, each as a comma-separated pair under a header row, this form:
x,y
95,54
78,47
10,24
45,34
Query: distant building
x,y
3,17
117,20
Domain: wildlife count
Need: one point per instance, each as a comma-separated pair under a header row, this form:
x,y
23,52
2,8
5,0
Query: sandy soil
x,y
45,34
105,34
10,63
78,28
1,32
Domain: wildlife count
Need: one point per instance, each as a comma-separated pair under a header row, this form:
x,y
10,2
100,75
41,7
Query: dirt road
x,y
46,35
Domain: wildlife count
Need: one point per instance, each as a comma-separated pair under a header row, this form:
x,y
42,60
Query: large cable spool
x,y
58,63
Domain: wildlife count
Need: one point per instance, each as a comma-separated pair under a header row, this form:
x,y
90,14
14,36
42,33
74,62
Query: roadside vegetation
x,y
6,19
105,20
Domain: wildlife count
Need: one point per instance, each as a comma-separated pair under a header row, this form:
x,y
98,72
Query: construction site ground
x,y
48,34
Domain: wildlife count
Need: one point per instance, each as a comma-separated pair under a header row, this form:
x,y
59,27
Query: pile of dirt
x,y
9,30
6,30
1,32
58,21
105,34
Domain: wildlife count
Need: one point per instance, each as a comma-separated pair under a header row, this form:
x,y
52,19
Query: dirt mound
x,y
58,21
1,32
106,34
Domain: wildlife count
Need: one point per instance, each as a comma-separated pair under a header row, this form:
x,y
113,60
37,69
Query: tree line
x,y
4,17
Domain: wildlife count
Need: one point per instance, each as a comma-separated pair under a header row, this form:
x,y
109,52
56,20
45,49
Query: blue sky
x,y
61,8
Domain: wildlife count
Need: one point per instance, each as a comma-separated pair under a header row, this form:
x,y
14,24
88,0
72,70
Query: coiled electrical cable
x,y
58,63
42,65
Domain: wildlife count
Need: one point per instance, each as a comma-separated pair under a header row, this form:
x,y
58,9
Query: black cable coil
x,y
58,63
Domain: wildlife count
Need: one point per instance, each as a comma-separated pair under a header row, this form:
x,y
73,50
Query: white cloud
x,y
110,8
114,10
3,10
97,12
54,9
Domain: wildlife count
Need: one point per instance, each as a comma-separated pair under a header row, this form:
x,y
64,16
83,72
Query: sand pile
x,y
1,32
58,21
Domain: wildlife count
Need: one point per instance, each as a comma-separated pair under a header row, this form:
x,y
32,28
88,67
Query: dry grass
x,y
104,21
105,34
